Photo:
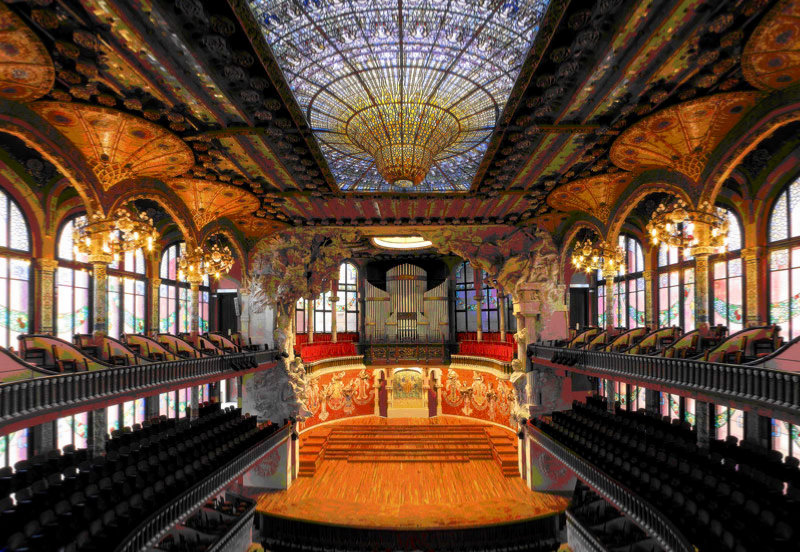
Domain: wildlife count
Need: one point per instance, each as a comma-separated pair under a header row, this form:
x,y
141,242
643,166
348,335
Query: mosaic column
x,y
194,310
310,328
649,321
155,290
100,280
751,257
701,290
611,316
501,305
99,425
46,269
334,300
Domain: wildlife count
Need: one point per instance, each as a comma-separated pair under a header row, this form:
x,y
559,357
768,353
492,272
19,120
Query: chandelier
x,y
603,256
199,263
124,230
684,228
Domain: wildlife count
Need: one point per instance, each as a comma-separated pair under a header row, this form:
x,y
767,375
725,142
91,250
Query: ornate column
x,y
46,269
244,308
751,258
501,305
611,315
194,310
100,260
701,289
155,292
334,300
478,278
649,297
310,328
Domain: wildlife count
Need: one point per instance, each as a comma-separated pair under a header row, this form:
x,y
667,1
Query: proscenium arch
x,y
154,190
20,121
777,110
635,193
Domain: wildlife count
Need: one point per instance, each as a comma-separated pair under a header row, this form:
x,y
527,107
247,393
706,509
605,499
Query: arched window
x,y
784,261
15,268
127,296
628,288
175,295
490,306
727,306
346,308
73,285
676,287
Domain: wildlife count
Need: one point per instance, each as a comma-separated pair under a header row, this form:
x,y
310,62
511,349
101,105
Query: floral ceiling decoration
x,y
118,146
683,136
209,201
401,95
771,58
595,195
26,69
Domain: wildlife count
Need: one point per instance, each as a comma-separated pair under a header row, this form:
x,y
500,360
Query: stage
x,y
409,474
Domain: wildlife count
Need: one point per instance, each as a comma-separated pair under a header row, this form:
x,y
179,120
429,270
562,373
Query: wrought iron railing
x,y
754,384
39,396
241,530
160,521
640,511
580,538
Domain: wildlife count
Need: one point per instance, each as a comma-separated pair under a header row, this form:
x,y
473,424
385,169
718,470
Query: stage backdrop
x,y
340,394
477,394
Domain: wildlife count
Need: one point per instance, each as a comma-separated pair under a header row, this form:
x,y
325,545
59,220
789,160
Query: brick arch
x,y
154,190
18,120
779,109
637,191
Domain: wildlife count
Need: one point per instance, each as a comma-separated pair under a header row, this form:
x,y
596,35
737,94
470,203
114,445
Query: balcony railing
x,y
640,511
160,521
22,400
579,538
754,384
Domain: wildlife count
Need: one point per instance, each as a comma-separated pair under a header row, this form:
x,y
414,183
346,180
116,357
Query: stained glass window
x,y
73,284
13,448
728,421
73,430
347,306
786,438
347,61
784,262
466,307
127,295
727,298
15,250
112,418
175,296
628,289
675,297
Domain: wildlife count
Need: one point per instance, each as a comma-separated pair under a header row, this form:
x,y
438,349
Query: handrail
x,y
230,535
640,511
764,386
43,395
588,540
165,517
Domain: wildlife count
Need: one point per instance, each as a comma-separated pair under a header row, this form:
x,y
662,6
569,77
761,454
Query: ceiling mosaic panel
x,y
209,201
26,70
595,195
771,59
458,59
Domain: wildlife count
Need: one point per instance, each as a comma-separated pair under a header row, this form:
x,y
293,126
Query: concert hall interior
x,y
399,275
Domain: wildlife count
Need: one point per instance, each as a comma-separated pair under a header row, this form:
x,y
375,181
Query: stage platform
x,y
409,474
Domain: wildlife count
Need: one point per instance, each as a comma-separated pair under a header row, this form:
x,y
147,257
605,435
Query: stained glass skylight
x,y
351,63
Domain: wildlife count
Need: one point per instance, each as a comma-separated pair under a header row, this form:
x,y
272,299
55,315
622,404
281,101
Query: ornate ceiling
x,y
567,101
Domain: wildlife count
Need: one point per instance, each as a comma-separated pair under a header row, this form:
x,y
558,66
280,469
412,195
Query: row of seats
x,y
716,508
606,524
500,351
318,351
94,507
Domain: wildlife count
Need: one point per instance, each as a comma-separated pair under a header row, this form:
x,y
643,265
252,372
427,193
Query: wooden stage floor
x,y
409,494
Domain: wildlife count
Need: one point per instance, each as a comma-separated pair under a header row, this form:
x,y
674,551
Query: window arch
x,y
15,272
127,294
73,284
727,307
675,288
490,306
628,289
175,295
346,307
783,235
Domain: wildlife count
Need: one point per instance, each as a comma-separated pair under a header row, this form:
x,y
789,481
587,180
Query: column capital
x,y
47,265
648,274
752,253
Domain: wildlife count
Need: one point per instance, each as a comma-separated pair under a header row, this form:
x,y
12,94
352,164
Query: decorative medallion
x,y
595,195
771,58
117,145
209,201
253,227
26,70
681,137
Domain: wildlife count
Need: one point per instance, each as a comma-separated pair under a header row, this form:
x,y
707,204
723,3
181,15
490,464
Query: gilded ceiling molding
x,y
771,57
155,190
681,137
209,201
116,145
595,195
26,69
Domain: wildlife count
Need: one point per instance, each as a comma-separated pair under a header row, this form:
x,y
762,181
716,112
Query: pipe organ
x,y
406,311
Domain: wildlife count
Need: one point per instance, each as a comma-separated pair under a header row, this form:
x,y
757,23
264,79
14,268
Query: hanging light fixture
x,y
124,230
216,261
677,225
588,256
